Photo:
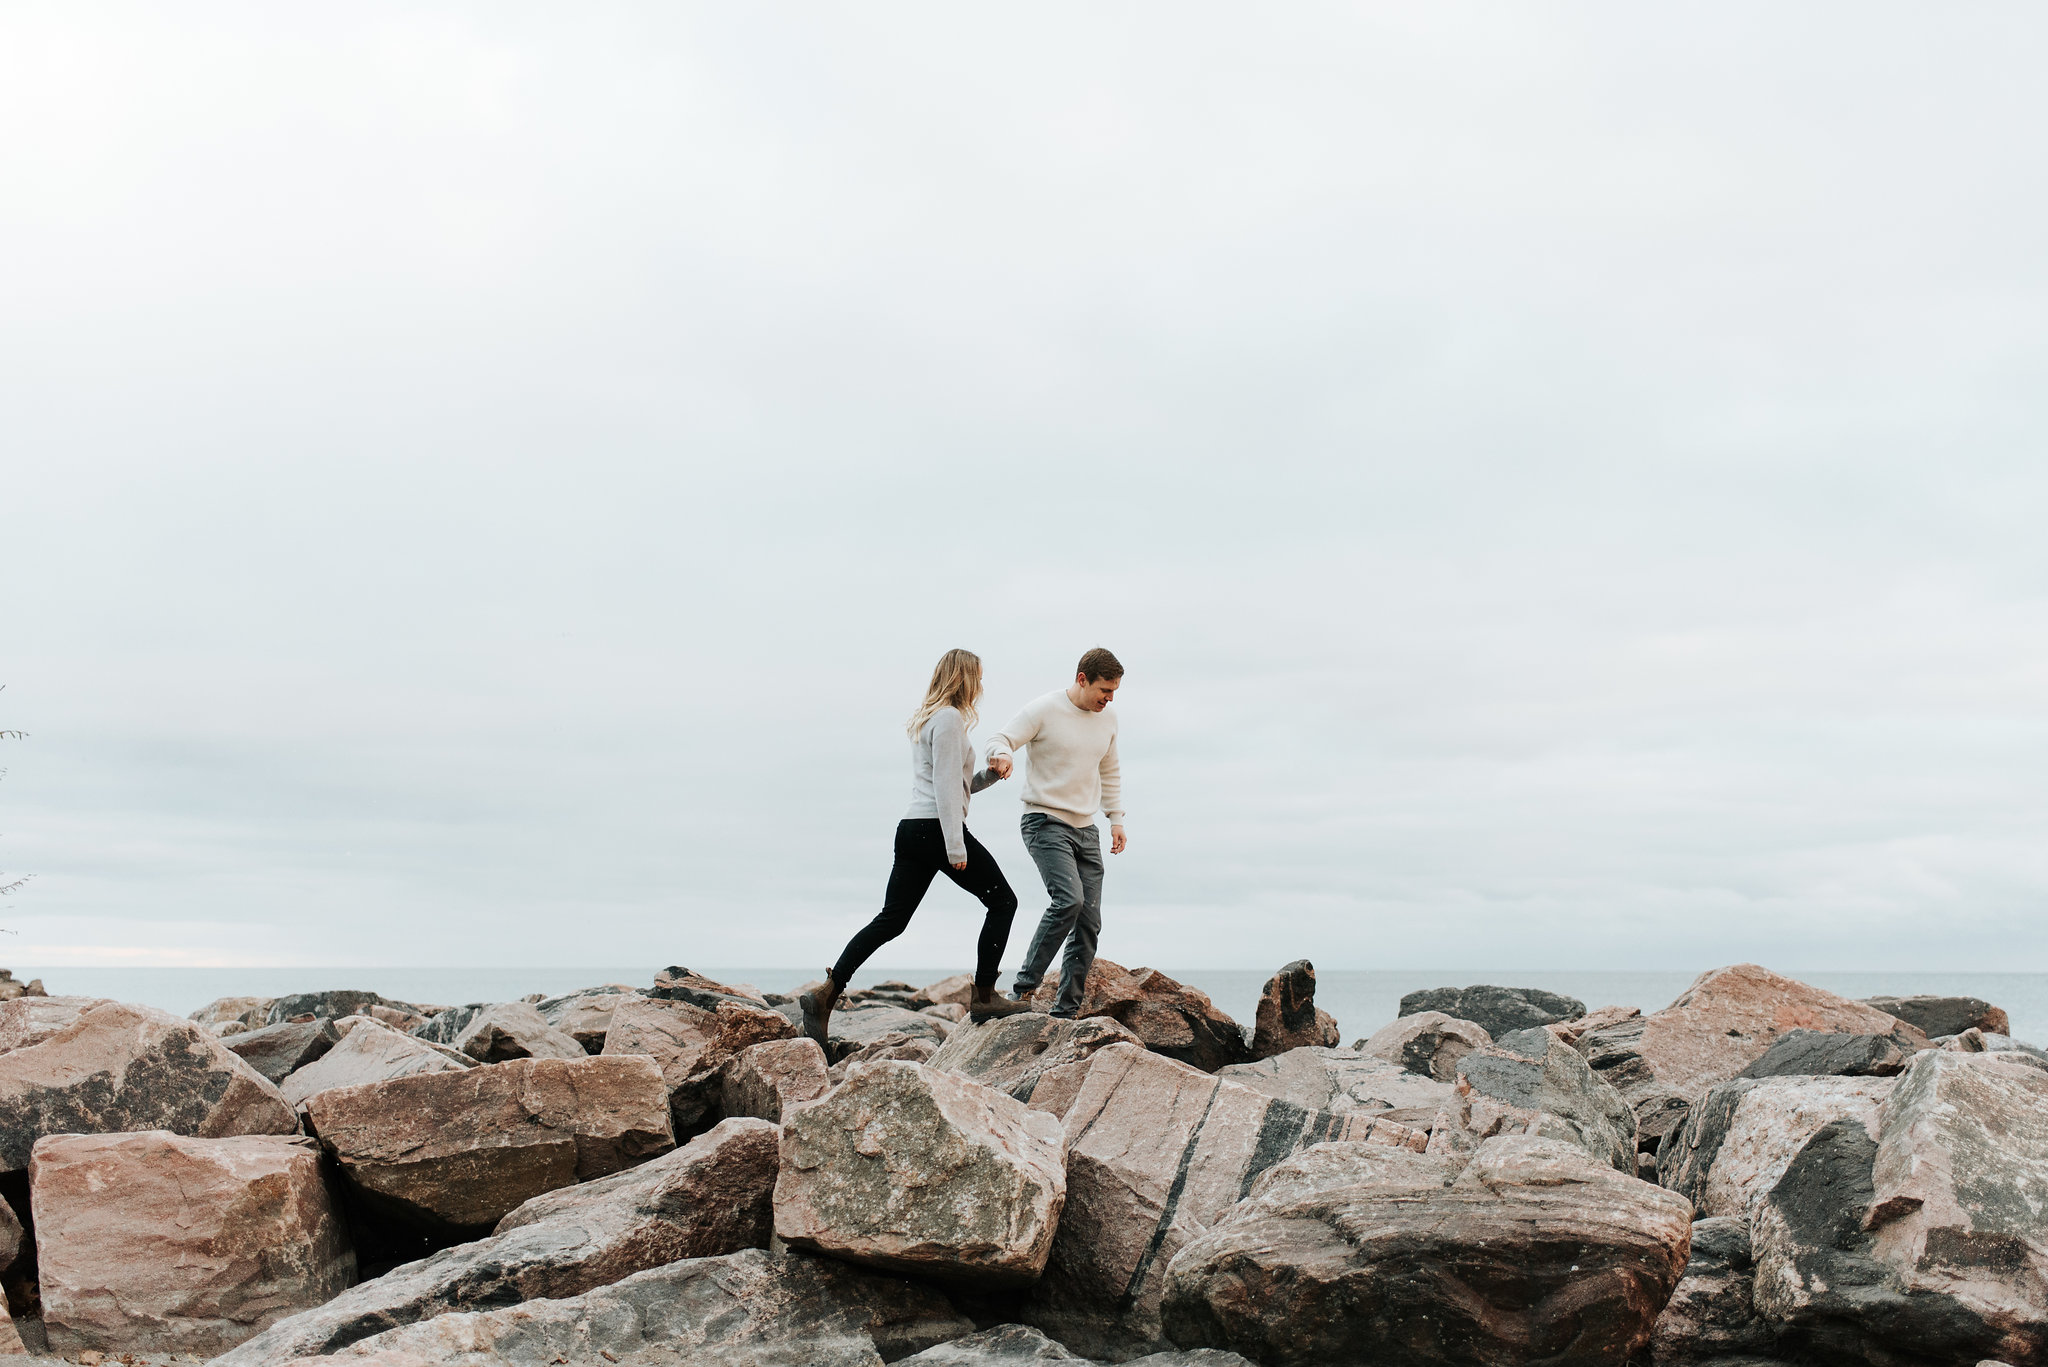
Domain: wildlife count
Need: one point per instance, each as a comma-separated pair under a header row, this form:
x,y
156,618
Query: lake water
x,y
1361,1000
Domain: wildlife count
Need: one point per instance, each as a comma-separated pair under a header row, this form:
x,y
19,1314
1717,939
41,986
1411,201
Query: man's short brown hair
x,y
1099,664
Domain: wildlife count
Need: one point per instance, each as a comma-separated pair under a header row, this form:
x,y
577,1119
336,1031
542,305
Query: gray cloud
x,y
484,485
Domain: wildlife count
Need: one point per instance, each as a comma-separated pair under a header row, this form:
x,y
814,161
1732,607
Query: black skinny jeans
x,y
920,856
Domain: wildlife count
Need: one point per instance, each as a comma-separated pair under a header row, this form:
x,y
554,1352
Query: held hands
x,y
961,865
1116,840
999,765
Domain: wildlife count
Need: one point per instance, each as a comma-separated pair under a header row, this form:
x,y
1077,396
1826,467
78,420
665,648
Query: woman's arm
x,y
949,757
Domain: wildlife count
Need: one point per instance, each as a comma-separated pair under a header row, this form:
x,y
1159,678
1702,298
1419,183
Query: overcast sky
x,y
483,484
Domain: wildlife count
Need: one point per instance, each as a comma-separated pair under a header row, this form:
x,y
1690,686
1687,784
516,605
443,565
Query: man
x,y
1070,773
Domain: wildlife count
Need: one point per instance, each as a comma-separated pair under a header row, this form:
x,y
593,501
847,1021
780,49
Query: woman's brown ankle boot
x,y
817,1006
986,1005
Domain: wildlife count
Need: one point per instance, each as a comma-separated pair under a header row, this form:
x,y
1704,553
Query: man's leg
x,y
1087,847
1053,853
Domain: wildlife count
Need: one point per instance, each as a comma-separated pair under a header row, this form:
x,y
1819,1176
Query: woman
x,y
932,838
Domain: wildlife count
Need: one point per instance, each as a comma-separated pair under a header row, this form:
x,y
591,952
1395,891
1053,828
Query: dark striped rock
x,y
1496,1010
1170,1017
85,1065
914,1170
454,1153
1011,1053
1429,1043
1531,1071
278,1050
449,1022
1814,1053
1156,1152
1712,1314
1925,1241
1287,1016
1719,1026
1938,1016
1739,1138
747,1309
333,1005
710,1197
1534,1252
678,984
1017,1345
1346,1080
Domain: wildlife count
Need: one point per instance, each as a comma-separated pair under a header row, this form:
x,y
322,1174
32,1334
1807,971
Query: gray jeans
x,y
1069,859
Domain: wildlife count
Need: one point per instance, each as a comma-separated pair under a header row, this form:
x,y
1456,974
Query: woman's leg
x,y
920,854
984,878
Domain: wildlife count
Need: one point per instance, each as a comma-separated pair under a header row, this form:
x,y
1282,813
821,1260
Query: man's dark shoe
x,y
817,1007
986,1004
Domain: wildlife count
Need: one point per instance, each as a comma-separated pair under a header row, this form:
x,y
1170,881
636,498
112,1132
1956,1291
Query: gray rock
x,y
748,1309
1923,1243
279,1050
1496,1010
1737,1142
85,1065
1013,1345
331,1005
852,1031
678,984
369,1051
1944,1015
1815,1053
1011,1053
1712,1315
914,1170
1428,1042
1531,1070
445,1025
1344,1080
507,1030
1534,1253
710,1197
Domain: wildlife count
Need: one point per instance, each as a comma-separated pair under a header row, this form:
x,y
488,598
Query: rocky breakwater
x,y
1027,1190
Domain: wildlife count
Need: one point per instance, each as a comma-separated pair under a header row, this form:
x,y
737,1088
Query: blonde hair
x,y
956,682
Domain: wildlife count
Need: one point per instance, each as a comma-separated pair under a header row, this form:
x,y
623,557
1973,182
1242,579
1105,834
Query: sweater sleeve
x,y
1112,785
949,757
1017,733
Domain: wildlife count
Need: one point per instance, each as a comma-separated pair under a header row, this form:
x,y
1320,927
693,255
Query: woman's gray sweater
x,y
942,778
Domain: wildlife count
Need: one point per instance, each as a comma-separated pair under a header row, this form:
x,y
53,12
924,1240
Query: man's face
x,y
1096,694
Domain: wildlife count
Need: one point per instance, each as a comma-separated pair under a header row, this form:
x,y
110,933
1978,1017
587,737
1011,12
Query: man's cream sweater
x,y
1071,771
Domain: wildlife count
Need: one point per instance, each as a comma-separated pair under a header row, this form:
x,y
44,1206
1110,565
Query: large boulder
x,y
1496,1010
910,1169
691,1044
710,1197
1815,1053
456,1152
747,1309
370,1051
1428,1042
335,1004
276,1051
679,984
1346,1080
1287,1016
158,1242
1534,1253
1170,1017
504,1031
84,1065
1938,1016
1720,1025
764,1080
1530,1070
585,1015
1738,1139
957,990
1925,1242
1712,1314
1011,1053
1157,1151
1017,1345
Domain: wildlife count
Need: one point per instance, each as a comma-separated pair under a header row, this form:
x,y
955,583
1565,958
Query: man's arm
x,y
1020,731
1112,776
